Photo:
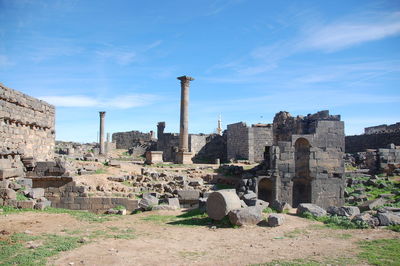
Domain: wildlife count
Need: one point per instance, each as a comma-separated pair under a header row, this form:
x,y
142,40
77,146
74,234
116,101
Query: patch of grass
x,y
21,196
80,215
100,171
296,233
337,222
395,228
268,210
159,218
191,218
380,252
14,251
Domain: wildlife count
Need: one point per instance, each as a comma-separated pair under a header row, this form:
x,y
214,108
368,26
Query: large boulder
x,y
311,208
246,216
8,193
275,219
388,218
36,193
348,211
220,203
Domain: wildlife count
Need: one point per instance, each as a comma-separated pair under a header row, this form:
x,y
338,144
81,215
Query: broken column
x,y
102,117
184,156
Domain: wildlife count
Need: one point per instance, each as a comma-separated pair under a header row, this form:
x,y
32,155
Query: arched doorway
x,y
266,190
302,179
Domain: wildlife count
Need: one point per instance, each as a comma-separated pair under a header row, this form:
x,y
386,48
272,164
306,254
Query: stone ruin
x,y
248,143
304,164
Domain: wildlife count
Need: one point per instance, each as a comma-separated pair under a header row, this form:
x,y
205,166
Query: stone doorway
x,y
301,192
302,158
266,190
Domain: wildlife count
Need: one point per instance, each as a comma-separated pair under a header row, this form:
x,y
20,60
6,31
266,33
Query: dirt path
x,y
161,243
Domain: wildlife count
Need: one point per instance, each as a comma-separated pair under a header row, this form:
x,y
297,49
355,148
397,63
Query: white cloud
x,y
340,35
119,102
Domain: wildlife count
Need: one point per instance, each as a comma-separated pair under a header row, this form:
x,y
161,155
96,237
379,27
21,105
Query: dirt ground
x,y
159,243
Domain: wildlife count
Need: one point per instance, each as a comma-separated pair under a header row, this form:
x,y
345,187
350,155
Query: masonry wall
x,y
26,125
126,140
238,141
260,137
73,197
383,129
360,143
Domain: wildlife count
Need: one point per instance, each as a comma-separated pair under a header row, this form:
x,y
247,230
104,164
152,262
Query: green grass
x,y
381,252
21,196
395,228
268,210
191,218
337,222
373,252
79,215
100,171
14,251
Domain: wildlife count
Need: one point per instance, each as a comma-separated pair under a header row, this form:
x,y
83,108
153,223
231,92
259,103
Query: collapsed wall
x,y
26,131
126,140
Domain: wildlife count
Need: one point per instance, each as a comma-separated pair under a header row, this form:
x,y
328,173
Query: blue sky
x,y
250,59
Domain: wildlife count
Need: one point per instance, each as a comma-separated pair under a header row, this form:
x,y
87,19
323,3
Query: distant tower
x,y
219,128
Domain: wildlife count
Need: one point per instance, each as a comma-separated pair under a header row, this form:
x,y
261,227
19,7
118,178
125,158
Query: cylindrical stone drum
x,y
220,203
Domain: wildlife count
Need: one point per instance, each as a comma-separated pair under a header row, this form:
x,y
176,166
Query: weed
x,y
21,196
268,210
395,228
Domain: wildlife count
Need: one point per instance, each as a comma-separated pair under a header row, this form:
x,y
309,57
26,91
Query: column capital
x,y
185,79
102,113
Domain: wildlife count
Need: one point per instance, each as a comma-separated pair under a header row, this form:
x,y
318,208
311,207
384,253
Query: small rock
x,y
275,219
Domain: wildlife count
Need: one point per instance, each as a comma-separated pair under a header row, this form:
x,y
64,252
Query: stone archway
x,y
265,190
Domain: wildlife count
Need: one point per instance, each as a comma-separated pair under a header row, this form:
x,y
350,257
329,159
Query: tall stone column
x,y
184,156
102,147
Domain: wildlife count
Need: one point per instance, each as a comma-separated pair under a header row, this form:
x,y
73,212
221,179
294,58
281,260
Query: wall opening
x,y
266,190
301,192
302,158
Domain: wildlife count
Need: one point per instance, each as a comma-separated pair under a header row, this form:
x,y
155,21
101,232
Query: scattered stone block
x,y
148,202
280,206
220,203
42,205
311,208
275,219
174,202
367,218
36,193
25,204
371,204
246,216
164,207
8,193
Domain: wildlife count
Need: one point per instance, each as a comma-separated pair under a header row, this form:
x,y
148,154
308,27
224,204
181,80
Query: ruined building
x,y
304,164
204,148
375,137
248,143
26,131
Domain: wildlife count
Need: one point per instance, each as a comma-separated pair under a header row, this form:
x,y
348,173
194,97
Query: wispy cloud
x,y
119,102
119,56
341,35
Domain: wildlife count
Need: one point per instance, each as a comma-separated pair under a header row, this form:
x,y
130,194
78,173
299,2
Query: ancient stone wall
x,y
26,126
248,143
71,196
394,128
214,148
360,143
126,140
238,141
